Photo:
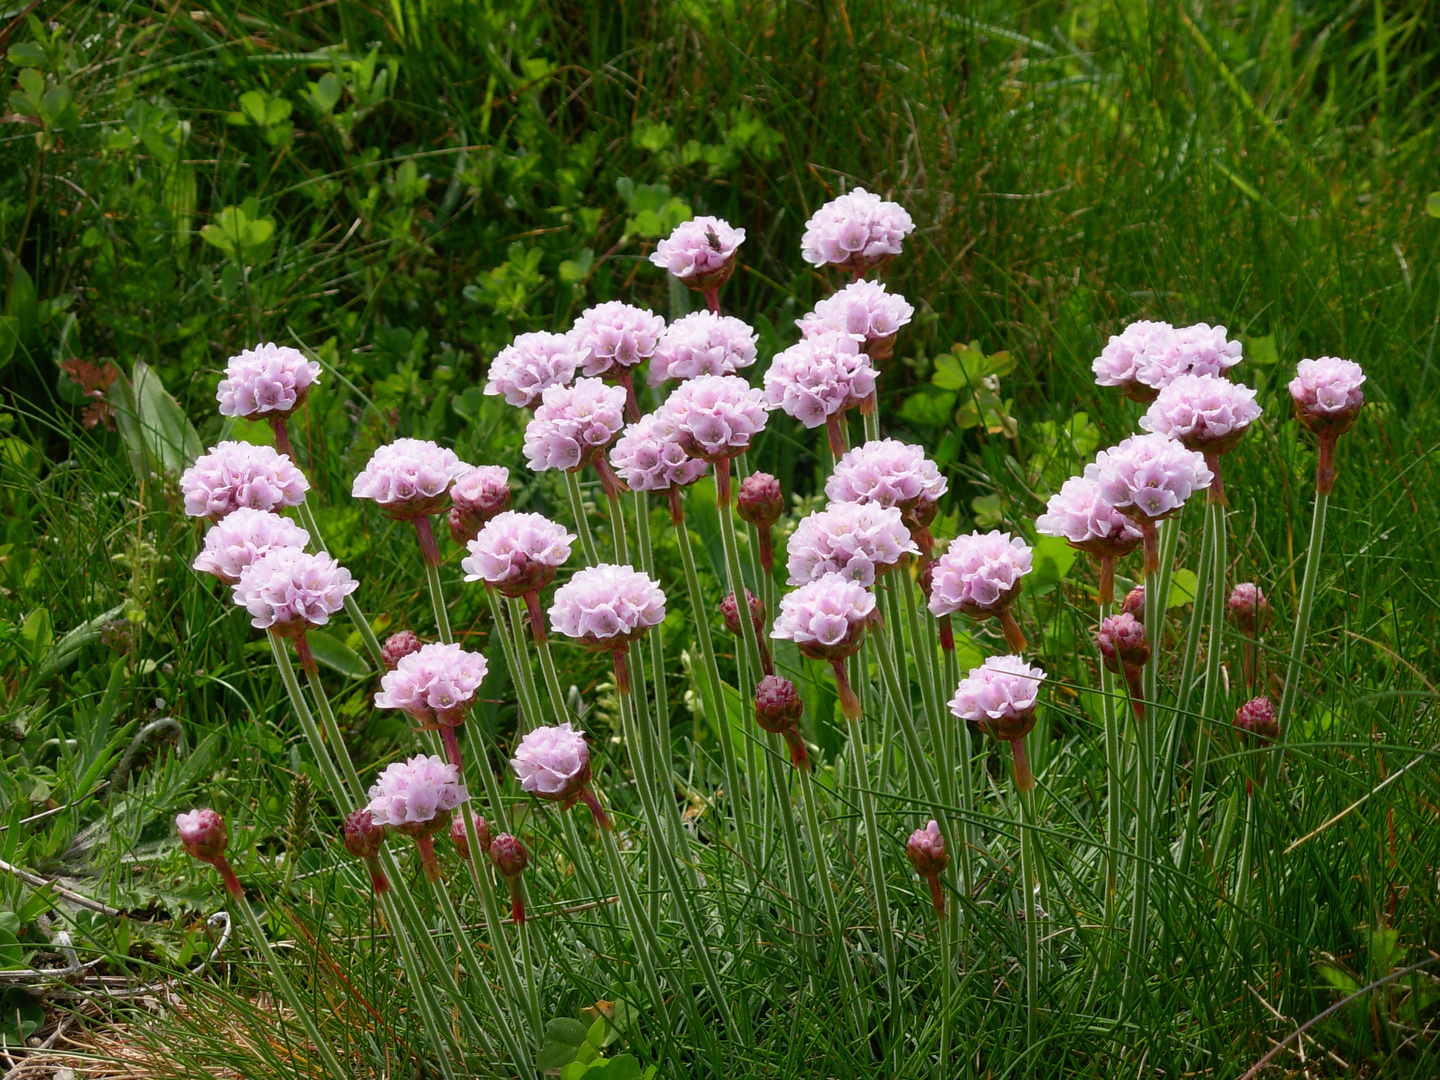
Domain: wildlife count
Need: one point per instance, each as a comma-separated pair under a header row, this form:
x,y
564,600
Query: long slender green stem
x,y
1144,792
1242,875
582,523
617,530
875,857
947,992
1115,783
1302,624
437,601
647,946
664,756
1028,871
918,761
352,608
1214,645
303,1010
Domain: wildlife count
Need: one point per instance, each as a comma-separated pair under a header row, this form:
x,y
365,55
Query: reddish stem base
x,y
307,658
227,875
429,551
282,437
1024,778
426,844
1014,638
602,819
849,703
378,881
937,895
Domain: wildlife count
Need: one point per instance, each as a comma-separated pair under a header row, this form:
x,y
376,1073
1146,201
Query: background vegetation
x,y
403,187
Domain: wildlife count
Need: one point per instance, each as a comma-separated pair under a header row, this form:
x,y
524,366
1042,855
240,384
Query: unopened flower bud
x,y
202,834
462,841
778,708
926,849
398,646
730,612
1134,603
1122,642
1257,719
363,835
1249,608
760,502
509,856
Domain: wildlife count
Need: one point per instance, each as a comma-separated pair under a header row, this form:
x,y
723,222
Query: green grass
x,y
1070,167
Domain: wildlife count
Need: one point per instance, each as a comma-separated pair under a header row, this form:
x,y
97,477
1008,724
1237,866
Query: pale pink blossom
x,y
857,230
1208,413
1200,349
979,573
288,590
863,309
999,696
241,538
236,474
700,252
827,618
607,605
409,478
517,552
648,456
476,497
1078,513
573,425
1149,476
703,343
859,541
613,337
819,377
435,683
1130,359
887,472
525,368
715,416
553,763
267,381
1327,393
411,795
202,834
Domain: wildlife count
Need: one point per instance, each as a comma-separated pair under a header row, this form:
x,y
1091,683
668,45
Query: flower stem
x,y
1114,823
875,857
582,523
352,608
437,601
1215,513
1032,928
1302,624
647,946
1144,818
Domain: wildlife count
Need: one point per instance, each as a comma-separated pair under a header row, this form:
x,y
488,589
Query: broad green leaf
x,y
334,654
1341,980
1432,204
1261,350
155,430
1183,584
33,83
26,54
36,634
20,1015
1052,557
325,94
563,1038
22,302
9,338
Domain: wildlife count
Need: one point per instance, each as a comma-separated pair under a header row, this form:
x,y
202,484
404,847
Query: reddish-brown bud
x,y
1249,608
1256,719
509,856
1122,642
398,646
760,502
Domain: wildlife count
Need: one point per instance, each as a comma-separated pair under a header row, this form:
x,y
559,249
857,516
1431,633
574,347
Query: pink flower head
x,y
761,502
1081,516
241,538
1208,413
1327,394
202,834
649,457
819,377
999,697
614,337
606,606
236,474
267,381
517,553
398,646
435,685
979,574
475,498
858,230
416,796
408,478
1200,349
362,837
865,311
1256,720
1249,608
703,343
288,590
1122,642
715,416
573,425
1149,476
553,763
1130,358
827,618
530,364
926,851
859,541
886,472
700,252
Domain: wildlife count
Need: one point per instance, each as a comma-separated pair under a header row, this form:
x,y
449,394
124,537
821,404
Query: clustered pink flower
x,y
613,337
1208,413
1078,513
887,472
242,537
408,478
856,230
517,553
999,697
926,852
476,497
530,364
819,377
1256,720
1200,349
826,618
858,541
1327,393
715,416
979,574
865,311
288,590
1122,642
412,795
553,763
435,685
648,455
1149,476
700,252
203,836
703,343
574,424
236,474
269,380
1248,607
1130,359
398,646
607,605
